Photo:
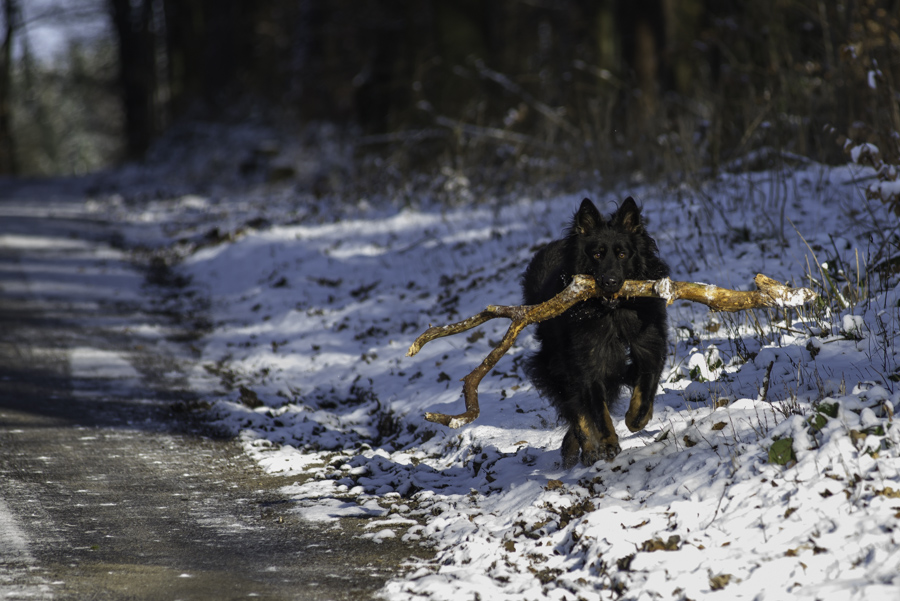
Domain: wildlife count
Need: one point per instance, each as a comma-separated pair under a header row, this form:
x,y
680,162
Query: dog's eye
x,y
622,254
600,253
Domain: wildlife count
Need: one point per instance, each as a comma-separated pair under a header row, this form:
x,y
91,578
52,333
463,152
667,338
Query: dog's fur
x,y
588,353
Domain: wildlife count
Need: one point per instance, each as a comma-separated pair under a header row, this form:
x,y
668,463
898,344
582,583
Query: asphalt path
x,y
107,491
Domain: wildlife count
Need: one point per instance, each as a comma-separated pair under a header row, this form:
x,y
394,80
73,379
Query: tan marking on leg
x,y
594,445
611,439
587,433
633,418
584,425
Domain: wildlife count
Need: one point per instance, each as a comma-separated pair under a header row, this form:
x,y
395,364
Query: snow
x,y
872,78
312,306
861,150
885,190
664,289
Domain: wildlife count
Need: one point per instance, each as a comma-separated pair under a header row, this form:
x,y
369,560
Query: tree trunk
x,y
7,145
134,26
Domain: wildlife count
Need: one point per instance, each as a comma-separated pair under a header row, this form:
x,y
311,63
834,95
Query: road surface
x,y
106,495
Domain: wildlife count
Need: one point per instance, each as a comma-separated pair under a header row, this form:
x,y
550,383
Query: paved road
x,y
103,495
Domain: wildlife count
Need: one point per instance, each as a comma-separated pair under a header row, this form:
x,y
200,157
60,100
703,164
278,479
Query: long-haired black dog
x,y
589,352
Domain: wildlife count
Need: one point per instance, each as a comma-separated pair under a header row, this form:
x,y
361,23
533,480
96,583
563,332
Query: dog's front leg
x,y
593,433
571,448
584,437
607,447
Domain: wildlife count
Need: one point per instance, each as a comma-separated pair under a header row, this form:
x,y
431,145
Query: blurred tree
x,y
618,85
642,26
134,24
11,15
220,52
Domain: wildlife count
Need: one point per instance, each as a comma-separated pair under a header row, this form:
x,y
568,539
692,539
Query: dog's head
x,y
613,250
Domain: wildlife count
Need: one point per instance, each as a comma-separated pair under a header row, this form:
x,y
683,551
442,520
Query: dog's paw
x,y
636,419
589,458
607,451
610,449
569,461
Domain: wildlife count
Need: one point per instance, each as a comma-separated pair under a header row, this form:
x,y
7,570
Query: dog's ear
x,y
587,219
628,217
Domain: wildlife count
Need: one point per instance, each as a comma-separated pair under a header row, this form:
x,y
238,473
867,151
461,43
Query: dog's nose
x,y
610,284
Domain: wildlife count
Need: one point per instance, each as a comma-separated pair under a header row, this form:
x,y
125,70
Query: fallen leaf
x,y
657,544
719,581
249,398
644,523
624,563
856,436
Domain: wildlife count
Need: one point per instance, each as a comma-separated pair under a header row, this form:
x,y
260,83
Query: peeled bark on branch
x,y
770,293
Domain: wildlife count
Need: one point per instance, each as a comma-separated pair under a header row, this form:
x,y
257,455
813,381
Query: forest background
x,y
508,92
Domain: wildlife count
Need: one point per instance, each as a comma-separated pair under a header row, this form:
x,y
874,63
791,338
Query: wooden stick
x,y
770,293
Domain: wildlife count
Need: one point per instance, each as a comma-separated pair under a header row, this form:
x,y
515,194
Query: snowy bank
x,y
770,467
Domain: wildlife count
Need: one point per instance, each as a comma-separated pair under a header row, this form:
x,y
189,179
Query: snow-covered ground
x,y
771,467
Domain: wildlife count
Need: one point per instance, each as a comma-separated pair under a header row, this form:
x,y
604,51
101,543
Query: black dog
x,y
588,353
